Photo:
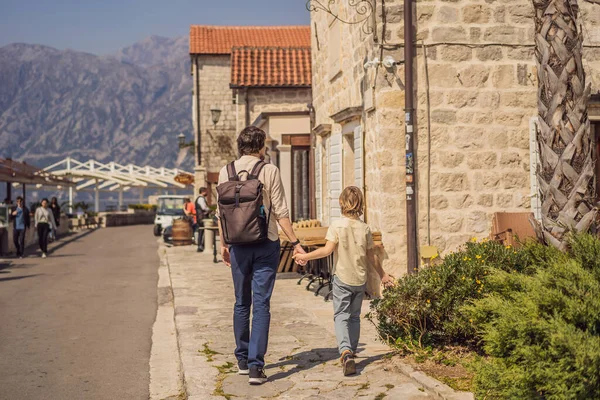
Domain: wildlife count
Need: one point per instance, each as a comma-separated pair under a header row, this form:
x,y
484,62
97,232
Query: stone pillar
x,y
96,198
285,166
70,199
209,236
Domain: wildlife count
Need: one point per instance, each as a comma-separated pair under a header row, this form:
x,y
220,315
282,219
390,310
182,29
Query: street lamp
x,y
182,143
215,114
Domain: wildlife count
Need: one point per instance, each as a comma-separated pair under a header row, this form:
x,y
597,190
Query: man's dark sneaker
x,y
257,376
348,364
243,367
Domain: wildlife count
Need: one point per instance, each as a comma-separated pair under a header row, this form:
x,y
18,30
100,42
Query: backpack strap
x,y
233,176
256,170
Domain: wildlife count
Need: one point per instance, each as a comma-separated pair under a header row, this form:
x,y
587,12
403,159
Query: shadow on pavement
x,y
71,237
14,278
5,265
312,358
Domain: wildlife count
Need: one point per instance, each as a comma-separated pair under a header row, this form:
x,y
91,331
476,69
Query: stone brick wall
x,y
278,100
482,96
217,142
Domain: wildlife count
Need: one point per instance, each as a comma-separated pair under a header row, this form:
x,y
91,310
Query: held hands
x,y
300,255
226,256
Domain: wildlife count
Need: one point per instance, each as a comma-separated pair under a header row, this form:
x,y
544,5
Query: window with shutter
x,y
358,158
335,175
318,180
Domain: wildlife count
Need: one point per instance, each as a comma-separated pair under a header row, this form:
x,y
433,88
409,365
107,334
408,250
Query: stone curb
x,y
166,369
439,389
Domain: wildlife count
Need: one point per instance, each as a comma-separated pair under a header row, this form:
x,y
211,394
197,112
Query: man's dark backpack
x,y
241,209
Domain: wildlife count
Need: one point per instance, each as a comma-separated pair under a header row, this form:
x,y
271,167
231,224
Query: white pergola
x,y
99,177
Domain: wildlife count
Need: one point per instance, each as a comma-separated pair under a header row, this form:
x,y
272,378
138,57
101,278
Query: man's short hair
x,y
19,198
251,140
202,190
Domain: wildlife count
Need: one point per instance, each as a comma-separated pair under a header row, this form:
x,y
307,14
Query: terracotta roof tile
x,y
220,39
270,67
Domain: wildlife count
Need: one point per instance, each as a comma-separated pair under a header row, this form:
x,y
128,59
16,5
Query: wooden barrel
x,y
182,233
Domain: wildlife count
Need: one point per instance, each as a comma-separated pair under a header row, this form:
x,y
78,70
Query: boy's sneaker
x,y
257,376
348,364
243,367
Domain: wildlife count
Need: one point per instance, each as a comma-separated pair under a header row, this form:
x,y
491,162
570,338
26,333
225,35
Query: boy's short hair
x,y
352,202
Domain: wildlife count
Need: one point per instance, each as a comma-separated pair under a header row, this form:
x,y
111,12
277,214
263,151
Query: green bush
x,y
544,336
533,312
424,309
145,207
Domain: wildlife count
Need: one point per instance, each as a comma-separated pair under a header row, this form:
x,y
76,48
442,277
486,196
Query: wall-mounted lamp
x,y
215,114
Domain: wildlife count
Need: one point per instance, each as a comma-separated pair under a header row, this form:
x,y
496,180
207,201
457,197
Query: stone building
x,y
245,75
476,100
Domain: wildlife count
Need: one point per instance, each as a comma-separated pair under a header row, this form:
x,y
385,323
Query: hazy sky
x,y
103,26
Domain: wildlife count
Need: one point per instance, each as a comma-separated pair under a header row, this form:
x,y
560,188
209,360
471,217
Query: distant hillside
x,y
128,107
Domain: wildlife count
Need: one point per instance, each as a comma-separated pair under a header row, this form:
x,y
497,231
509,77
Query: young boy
x,y
352,242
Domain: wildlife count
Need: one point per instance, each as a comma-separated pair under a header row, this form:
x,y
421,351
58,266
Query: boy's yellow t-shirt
x,y
353,238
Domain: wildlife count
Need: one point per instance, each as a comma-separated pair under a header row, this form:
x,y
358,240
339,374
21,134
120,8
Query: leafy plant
x,y
145,207
424,309
544,336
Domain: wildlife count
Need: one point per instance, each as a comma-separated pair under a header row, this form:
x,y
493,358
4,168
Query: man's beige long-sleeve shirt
x,y
273,194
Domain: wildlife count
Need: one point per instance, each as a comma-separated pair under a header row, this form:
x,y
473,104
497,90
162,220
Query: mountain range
x,y
126,107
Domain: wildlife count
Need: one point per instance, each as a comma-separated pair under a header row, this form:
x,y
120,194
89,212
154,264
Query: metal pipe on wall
x,y
198,125
247,115
411,159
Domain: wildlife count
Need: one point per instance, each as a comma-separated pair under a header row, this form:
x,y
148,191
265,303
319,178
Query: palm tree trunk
x,y
566,171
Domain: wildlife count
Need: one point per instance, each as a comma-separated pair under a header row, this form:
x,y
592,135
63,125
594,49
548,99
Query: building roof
x,y
221,39
21,172
270,67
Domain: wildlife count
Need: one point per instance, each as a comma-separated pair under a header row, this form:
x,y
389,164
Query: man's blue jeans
x,y
253,268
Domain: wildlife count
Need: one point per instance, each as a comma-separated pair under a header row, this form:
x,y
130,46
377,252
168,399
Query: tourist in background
x,y
44,221
190,213
22,221
55,207
202,212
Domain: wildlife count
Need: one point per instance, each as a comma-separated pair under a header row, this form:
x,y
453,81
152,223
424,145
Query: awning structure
x,y
16,172
99,177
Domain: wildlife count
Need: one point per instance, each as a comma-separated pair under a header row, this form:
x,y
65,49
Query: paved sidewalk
x,y
302,362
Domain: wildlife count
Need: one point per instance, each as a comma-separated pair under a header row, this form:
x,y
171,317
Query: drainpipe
x,y
411,154
247,107
198,134
237,111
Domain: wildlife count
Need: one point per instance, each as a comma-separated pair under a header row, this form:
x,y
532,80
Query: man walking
x,y
254,265
202,212
22,221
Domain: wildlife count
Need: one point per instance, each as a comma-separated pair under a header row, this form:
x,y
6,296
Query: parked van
x,y
168,208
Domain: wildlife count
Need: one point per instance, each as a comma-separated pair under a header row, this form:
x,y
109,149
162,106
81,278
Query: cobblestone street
x,y
302,362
